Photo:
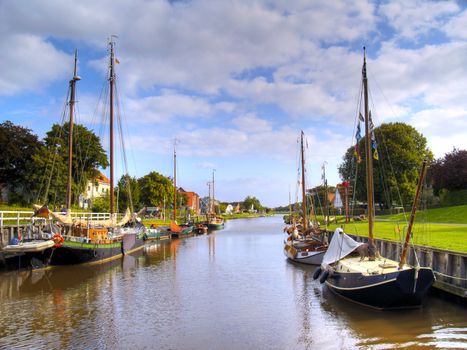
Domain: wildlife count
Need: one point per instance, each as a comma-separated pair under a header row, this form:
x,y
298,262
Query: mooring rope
x,y
449,276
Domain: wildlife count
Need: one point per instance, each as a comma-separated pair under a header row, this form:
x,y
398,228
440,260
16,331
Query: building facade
x,y
98,187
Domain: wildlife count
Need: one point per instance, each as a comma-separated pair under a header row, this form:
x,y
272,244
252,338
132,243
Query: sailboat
x,y
374,281
175,229
85,241
213,221
304,244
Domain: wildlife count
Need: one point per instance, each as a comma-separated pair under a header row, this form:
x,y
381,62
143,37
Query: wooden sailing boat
x,y
214,222
84,241
177,230
304,244
375,281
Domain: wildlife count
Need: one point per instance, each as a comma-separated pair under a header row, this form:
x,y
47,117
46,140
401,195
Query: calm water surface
x,y
229,290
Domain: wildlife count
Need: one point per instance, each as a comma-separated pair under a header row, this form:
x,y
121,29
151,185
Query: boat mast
x,y
111,117
70,133
369,159
326,196
305,220
412,215
209,195
213,198
175,182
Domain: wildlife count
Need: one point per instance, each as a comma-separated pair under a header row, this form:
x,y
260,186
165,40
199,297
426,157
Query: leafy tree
x,y
128,186
249,201
155,188
50,167
48,176
401,150
223,207
101,204
18,145
449,172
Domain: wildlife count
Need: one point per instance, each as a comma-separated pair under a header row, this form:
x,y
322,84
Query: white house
x,y
94,189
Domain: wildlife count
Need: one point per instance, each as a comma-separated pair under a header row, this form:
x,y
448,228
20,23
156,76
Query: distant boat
x,y
304,244
85,241
213,221
367,279
177,231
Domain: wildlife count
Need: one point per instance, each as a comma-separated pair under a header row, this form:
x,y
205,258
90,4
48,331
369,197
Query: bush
x,y
450,198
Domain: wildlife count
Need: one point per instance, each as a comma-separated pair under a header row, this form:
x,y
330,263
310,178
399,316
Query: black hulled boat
x,y
357,272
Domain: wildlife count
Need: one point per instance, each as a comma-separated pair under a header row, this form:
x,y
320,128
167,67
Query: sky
x,y
235,81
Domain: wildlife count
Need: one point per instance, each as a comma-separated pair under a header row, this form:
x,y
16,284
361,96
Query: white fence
x,y
18,218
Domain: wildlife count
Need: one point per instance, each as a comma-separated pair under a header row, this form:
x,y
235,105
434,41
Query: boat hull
x,y
303,254
394,290
27,260
185,232
212,226
71,253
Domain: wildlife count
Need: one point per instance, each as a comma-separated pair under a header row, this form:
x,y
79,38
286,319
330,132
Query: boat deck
x,y
367,267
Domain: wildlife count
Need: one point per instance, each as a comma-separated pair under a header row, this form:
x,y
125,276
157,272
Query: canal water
x,y
232,289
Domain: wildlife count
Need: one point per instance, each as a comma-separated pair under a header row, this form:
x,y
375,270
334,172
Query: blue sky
x,y
236,81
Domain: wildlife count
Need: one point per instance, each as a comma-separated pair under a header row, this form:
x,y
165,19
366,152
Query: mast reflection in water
x,y
232,289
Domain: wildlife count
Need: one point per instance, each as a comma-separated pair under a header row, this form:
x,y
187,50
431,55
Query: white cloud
x,y
169,104
29,63
416,17
250,122
455,27
443,128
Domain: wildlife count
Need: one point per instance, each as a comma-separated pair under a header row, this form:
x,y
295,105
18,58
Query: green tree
x,y
128,187
249,201
101,204
155,189
401,150
52,163
18,146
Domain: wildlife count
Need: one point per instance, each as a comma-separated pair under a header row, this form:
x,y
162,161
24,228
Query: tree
x,y
252,201
18,145
155,189
52,164
401,150
101,204
449,172
128,187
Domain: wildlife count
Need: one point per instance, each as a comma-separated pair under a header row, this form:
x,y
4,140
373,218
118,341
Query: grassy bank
x,y
442,236
452,215
239,216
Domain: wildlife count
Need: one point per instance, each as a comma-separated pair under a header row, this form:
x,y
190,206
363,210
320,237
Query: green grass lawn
x,y
156,222
449,237
5,207
443,228
453,215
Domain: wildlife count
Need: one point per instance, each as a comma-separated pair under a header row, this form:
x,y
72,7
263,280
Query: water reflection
x,y
439,324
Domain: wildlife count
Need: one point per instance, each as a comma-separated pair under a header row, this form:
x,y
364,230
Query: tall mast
x,y
326,197
369,159
175,182
111,117
213,197
209,195
412,215
70,133
305,220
